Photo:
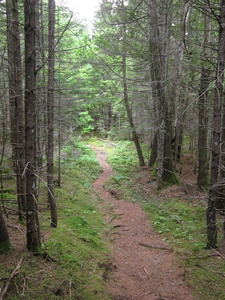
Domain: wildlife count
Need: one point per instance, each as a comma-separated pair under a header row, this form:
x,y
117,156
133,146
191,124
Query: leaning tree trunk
x,y
50,114
126,99
216,135
130,117
33,231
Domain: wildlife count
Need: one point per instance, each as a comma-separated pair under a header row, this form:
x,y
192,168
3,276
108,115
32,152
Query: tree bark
x,y
33,231
16,101
50,114
203,158
153,155
216,134
158,67
4,236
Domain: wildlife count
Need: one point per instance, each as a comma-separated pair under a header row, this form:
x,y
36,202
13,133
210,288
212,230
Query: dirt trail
x,y
145,267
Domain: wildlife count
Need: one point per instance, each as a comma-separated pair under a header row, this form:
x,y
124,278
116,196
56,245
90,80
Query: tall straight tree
x,y
33,231
202,179
159,20
50,113
216,133
16,100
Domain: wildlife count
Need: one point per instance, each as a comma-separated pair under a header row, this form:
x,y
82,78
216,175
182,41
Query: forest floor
x,y
143,266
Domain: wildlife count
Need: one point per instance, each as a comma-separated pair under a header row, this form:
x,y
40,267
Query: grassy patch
x,y
74,258
181,223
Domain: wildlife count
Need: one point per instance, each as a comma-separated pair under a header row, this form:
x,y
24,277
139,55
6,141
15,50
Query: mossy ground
x,y
75,259
74,256
178,216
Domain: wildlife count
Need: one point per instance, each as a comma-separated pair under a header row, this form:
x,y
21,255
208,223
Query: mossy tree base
x,y
170,179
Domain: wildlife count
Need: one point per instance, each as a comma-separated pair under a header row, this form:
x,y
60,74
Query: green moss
x,y
5,247
181,223
170,179
77,248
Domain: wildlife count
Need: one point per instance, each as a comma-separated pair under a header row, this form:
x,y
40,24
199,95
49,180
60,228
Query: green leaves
x,y
182,223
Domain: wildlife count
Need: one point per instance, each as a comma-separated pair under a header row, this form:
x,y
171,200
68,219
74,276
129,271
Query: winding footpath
x,y
145,268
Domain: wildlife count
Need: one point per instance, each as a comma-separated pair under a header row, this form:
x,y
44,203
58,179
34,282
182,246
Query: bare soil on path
x,y
145,267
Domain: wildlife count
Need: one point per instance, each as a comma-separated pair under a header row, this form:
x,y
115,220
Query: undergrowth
x,y
179,221
74,258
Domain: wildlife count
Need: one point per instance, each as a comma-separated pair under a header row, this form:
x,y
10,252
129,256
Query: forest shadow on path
x,y
145,268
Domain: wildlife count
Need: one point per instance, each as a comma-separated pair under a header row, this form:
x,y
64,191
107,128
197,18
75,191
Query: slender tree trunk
x,y
33,231
59,108
216,134
130,117
50,114
203,179
153,156
125,95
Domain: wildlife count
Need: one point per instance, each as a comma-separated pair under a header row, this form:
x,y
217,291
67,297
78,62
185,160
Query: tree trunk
x,y
126,99
216,134
50,114
202,179
4,237
33,231
16,101
153,155
158,67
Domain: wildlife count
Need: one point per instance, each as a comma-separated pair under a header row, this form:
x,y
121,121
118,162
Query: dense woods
x,y
149,71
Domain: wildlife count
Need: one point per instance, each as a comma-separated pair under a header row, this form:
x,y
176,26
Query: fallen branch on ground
x,y
115,226
12,275
155,247
219,254
212,271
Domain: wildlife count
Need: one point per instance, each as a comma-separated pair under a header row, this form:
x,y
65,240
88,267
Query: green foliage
x,y
74,255
124,159
79,157
181,223
84,122
5,247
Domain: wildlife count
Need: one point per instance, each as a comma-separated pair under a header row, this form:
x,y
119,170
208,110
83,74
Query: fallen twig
x,y
110,221
115,226
215,272
70,288
219,254
12,275
16,227
146,272
155,247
